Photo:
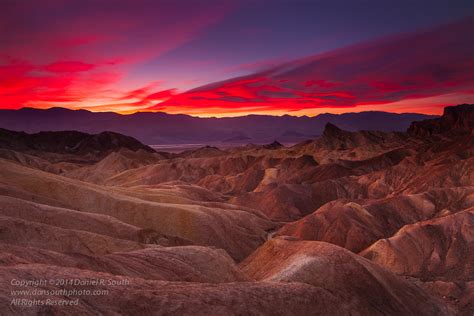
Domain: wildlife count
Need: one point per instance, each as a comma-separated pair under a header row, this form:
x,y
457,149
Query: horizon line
x,y
222,117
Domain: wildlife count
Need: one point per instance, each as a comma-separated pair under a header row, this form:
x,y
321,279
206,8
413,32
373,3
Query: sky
x,y
230,58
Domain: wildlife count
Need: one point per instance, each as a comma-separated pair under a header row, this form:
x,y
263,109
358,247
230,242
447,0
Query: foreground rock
x,y
356,225
438,252
186,263
234,229
138,296
360,285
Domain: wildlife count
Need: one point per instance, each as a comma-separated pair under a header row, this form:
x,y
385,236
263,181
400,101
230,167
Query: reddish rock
x,y
360,285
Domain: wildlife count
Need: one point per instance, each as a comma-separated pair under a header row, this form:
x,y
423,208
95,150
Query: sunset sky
x,y
228,58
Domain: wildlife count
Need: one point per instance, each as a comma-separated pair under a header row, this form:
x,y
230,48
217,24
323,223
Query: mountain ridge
x,y
455,119
69,142
155,128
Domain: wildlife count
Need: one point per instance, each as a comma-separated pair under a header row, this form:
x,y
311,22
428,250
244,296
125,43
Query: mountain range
x,y
162,128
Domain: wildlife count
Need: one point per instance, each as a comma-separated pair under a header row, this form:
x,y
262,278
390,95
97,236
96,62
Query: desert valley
x,y
346,223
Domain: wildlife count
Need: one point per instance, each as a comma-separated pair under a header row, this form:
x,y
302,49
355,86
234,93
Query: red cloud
x,y
79,41
422,64
161,95
95,44
23,83
69,66
139,93
128,103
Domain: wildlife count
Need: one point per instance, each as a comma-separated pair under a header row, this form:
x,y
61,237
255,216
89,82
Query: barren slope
x,y
350,223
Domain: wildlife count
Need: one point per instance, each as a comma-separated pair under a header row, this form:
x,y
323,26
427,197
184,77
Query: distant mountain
x,y
237,139
162,128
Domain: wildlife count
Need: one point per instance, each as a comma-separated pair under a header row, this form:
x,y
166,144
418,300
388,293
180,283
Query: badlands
x,y
350,223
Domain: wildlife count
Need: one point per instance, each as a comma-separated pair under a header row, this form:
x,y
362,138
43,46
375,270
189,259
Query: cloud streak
x,y
418,65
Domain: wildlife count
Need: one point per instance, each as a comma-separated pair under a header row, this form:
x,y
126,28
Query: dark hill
x,y
69,142
455,119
